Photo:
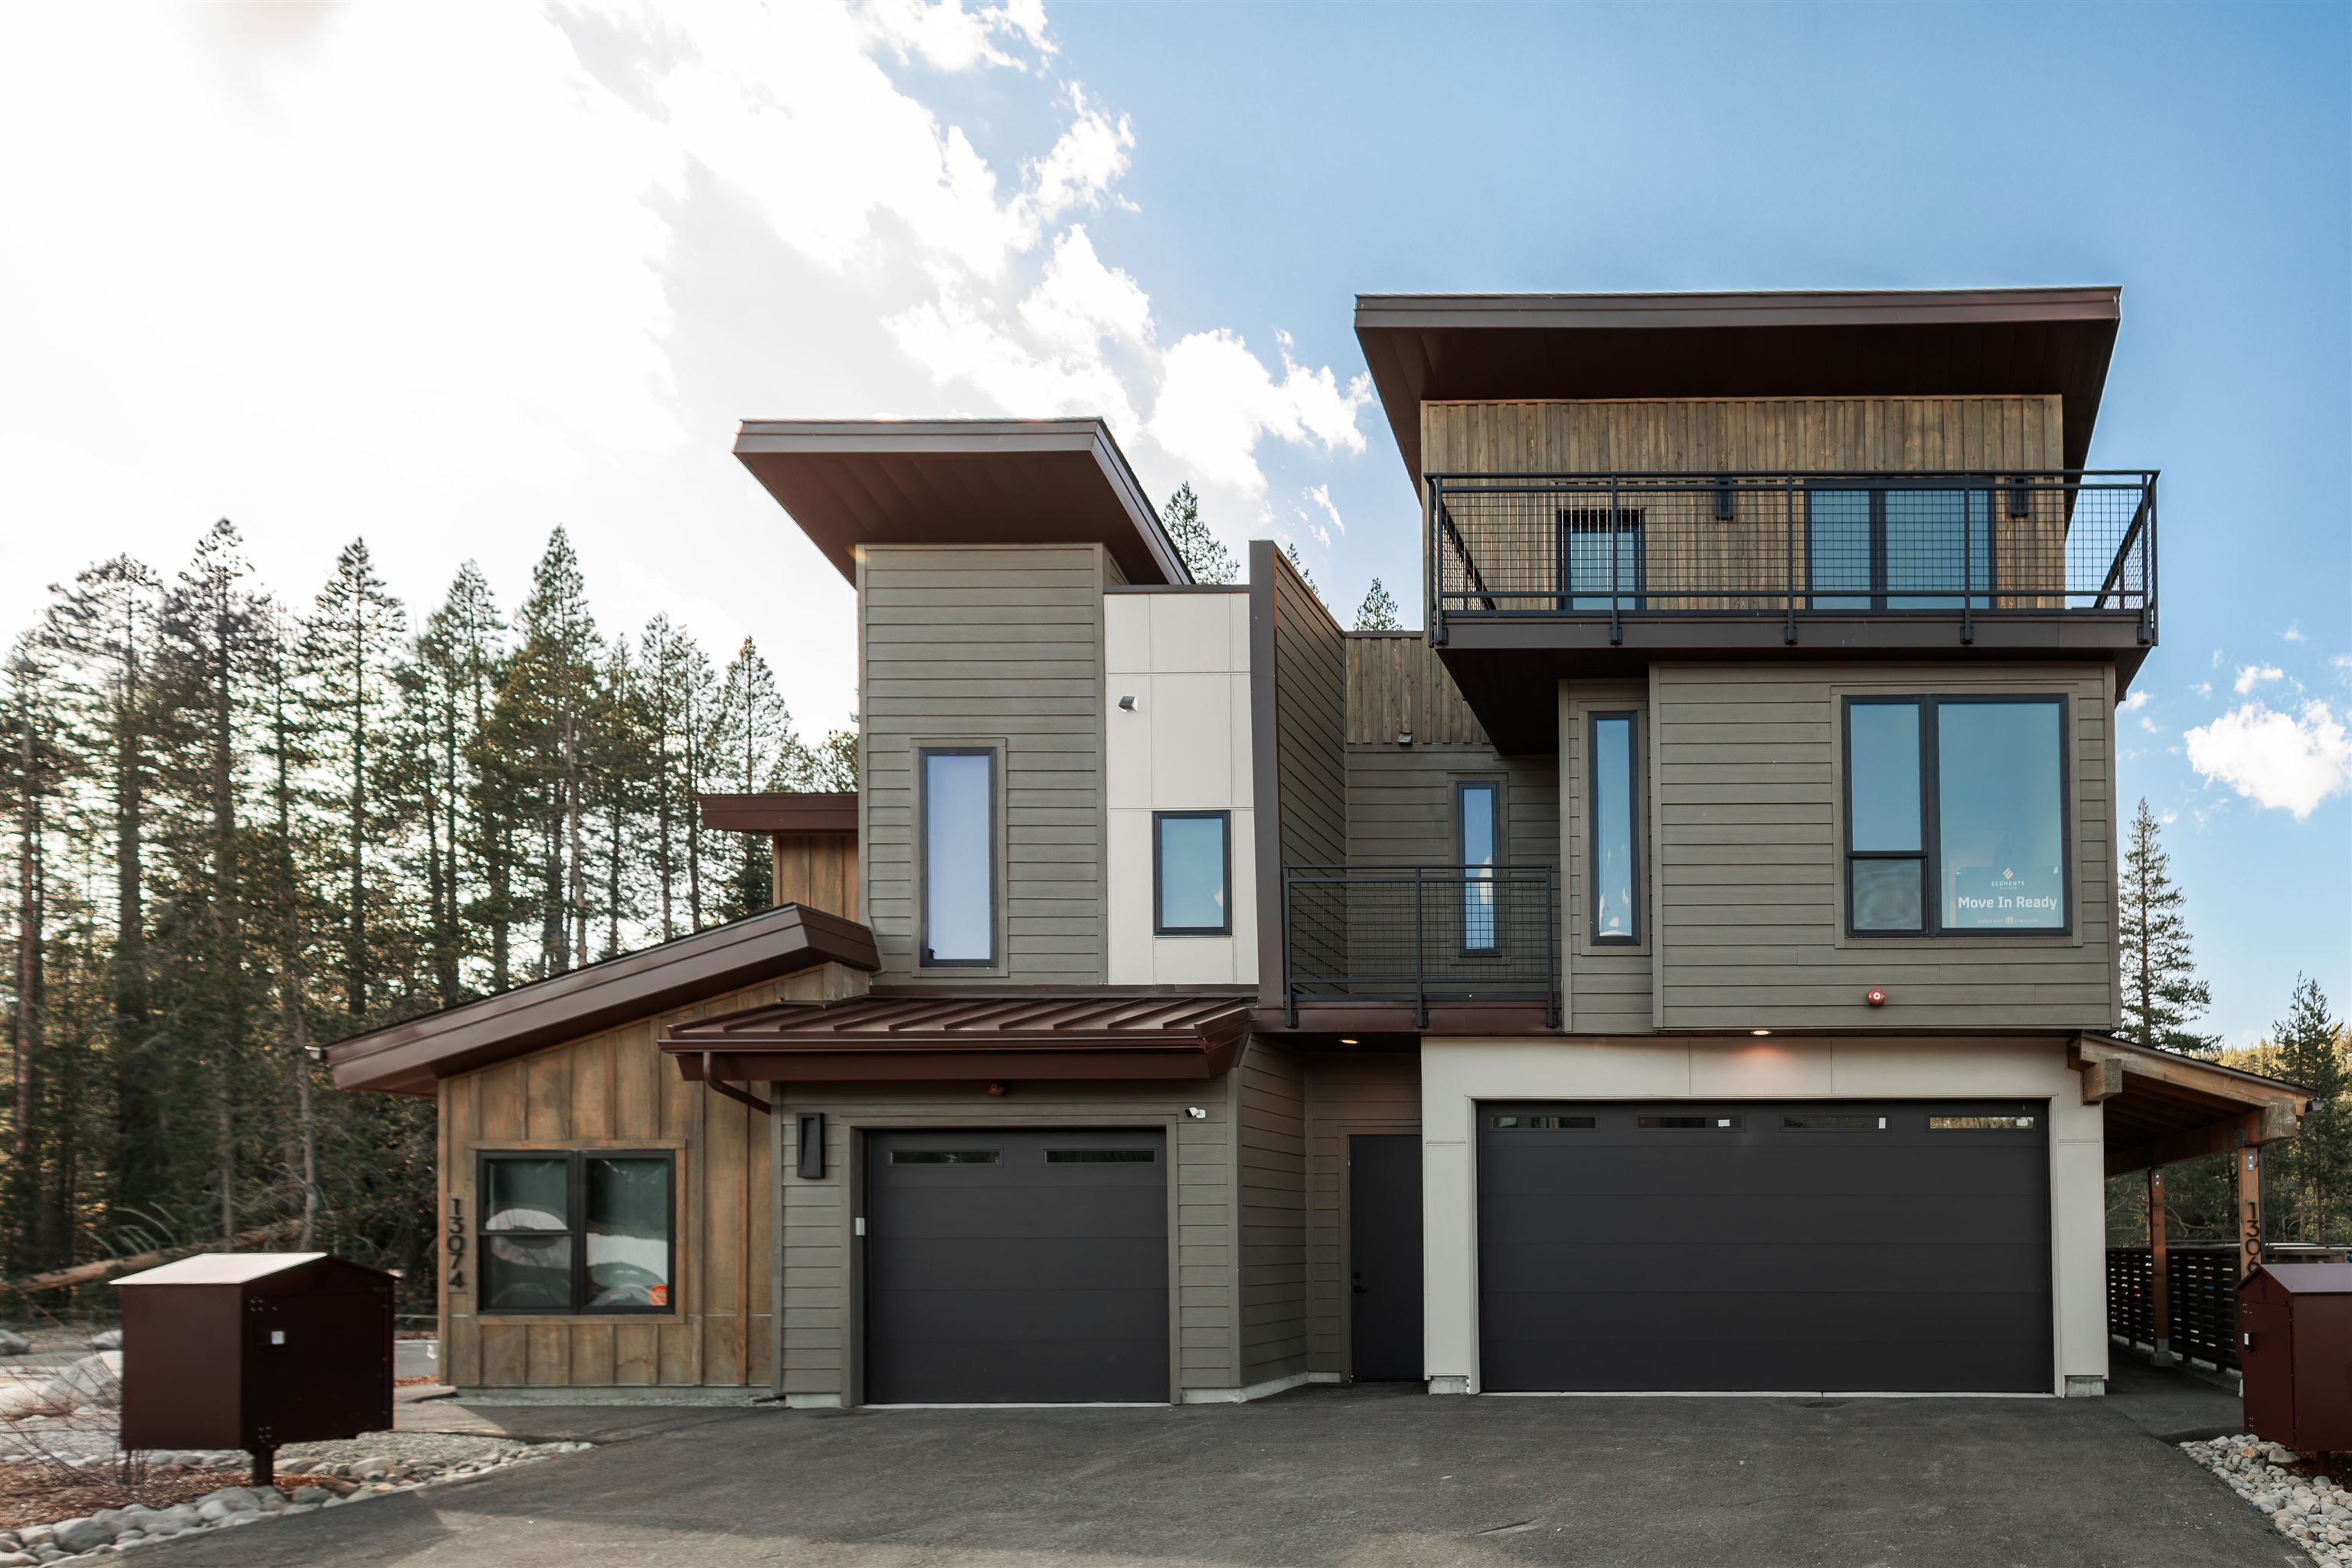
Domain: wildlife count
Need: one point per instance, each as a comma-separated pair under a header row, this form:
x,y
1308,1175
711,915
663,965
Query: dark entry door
x,y
1866,1246
1016,1266
1384,1256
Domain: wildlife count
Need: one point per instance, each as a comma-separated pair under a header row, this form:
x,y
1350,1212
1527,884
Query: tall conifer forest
x,y
241,827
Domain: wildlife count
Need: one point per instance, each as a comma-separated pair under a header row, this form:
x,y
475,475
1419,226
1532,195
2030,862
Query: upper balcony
x,y
1536,576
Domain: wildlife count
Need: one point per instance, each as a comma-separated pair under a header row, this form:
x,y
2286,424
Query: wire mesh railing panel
x,y
1421,933
1794,544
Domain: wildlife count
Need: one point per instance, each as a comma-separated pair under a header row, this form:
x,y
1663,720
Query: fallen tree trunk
x,y
90,1273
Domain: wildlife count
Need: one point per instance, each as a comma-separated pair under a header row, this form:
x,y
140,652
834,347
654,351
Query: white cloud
x,y
2168,816
2292,762
2150,725
2253,675
2342,664
2136,701
946,35
2202,689
2293,632
1216,399
1321,496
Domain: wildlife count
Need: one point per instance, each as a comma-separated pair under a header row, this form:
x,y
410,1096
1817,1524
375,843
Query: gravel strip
x,y
2309,1510
312,1476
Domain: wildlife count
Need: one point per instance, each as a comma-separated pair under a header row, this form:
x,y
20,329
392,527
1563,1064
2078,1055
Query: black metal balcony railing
x,y
1418,934
1792,545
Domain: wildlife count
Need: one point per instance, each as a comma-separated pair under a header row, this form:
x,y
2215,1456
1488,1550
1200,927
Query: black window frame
x,y
576,1207
1635,816
1930,855
1494,788
1626,523
1158,902
1880,597
923,756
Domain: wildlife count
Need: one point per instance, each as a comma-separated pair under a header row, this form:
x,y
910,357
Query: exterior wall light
x,y
1760,1034
1127,703
1196,1113
1875,997
1404,737
1345,1041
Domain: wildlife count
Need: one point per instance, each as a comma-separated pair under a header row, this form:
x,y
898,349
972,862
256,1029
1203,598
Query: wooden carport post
x,y
2249,1209
2159,1274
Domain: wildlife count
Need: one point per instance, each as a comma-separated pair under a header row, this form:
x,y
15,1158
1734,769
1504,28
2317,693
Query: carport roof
x,y
2161,1107
981,1034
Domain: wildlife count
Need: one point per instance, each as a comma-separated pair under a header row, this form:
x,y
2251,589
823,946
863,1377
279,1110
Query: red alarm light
x,y
996,1091
1875,997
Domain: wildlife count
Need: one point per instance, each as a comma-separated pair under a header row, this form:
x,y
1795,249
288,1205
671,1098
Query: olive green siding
x,y
1608,988
999,646
1400,804
1270,1095
1749,913
1347,1093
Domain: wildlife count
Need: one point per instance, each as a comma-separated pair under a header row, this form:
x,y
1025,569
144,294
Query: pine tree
x,y
2162,995
1204,556
29,772
543,716
291,919
2313,1167
674,679
348,643
1378,613
1298,565
750,740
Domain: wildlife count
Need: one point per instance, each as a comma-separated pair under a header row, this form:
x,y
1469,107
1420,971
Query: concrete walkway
x,y
1362,1477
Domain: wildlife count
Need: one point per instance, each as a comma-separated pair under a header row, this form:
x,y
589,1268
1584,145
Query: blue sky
x,y
446,277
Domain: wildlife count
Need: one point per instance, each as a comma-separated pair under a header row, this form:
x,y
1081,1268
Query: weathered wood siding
x,y
1271,1188
816,870
1609,985
613,1090
1396,685
998,645
1346,1094
1749,927
819,1301
1310,696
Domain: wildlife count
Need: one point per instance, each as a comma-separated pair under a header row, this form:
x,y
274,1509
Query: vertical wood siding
x,y
1749,861
1002,643
816,870
1270,1094
1396,685
1310,694
1346,1094
819,1305
613,1091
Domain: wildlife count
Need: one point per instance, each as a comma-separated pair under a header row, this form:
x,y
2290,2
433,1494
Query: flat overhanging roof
x,y
849,483
1831,344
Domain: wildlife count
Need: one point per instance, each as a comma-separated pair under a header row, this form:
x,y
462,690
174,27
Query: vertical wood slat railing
x,y
2204,1307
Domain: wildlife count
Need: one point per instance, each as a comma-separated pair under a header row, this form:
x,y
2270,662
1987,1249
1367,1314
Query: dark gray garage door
x,y
1866,1246
1016,1266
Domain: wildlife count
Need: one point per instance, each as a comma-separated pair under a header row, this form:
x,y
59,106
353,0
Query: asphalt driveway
x,y
1361,1477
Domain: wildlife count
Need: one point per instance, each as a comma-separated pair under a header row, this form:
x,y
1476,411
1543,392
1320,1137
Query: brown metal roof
x,y
1844,343
780,812
959,481
410,1058
977,1034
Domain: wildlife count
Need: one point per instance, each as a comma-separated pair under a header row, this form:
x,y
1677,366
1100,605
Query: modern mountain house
x,y
1688,963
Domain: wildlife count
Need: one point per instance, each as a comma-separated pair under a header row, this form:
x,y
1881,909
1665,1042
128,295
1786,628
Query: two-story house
x,y
1685,964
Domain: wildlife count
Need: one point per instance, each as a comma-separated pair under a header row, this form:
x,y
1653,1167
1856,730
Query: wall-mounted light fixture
x,y
1404,737
1127,703
1760,1034
1197,1113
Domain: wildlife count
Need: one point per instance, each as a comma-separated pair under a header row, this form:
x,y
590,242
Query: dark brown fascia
x,y
1826,342
1149,548
914,1055
781,812
411,1058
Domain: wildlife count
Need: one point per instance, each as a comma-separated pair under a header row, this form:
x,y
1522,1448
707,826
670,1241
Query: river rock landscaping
x,y
2306,1506
184,1492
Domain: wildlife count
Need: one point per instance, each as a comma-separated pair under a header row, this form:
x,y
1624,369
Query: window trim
x,y
923,754
1492,786
1635,799
1929,855
1158,902
576,1201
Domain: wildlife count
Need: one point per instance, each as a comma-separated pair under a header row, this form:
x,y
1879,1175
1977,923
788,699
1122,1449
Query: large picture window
x,y
1613,770
1956,815
1192,873
576,1232
959,848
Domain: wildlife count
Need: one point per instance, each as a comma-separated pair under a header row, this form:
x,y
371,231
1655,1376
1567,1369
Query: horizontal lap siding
x,y
1002,643
1400,804
615,1089
1346,1094
1271,1184
1749,861
1610,989
819,1308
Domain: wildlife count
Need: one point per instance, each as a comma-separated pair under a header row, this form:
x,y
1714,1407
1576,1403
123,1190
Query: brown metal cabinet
x,y
2295,1323
254,1351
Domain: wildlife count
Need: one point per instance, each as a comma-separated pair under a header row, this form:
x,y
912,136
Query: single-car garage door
x,y
1013,1267
1866,1246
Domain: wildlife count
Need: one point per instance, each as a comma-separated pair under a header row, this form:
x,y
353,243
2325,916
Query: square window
x,y
576,1232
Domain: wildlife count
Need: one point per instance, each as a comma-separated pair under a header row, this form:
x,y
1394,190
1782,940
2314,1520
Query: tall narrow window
x,y
1615,773
959,858
1192,873
1477,833
1955,813
1886,846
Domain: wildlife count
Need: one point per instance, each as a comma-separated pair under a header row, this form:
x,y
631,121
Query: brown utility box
x,y
254,1351
2294,1322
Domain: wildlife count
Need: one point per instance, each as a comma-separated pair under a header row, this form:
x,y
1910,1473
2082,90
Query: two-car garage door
x,y
1864,1247
1016,1266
